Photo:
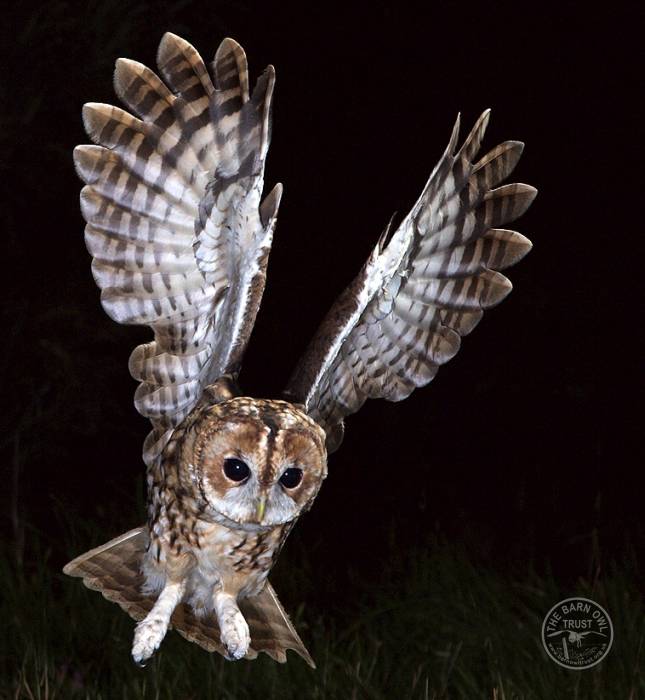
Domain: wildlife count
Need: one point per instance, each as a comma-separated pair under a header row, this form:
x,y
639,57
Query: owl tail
x,y
114,569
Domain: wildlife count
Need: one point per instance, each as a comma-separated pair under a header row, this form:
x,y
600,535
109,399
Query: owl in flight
x,y
180,237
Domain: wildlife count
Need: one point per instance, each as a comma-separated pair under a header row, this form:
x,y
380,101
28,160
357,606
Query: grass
x,y
434,624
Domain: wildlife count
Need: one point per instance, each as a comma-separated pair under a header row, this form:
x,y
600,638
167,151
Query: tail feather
x,y
114,570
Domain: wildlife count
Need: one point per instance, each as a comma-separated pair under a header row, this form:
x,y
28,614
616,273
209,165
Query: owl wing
x,y
177,233
419,293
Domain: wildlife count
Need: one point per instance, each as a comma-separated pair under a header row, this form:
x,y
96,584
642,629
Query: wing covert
x,y
419,294
178,235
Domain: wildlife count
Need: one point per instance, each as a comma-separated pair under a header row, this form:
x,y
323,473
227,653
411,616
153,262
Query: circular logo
x,y
577,633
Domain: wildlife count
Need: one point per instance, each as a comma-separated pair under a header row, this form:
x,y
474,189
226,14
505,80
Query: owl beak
x,y
261,506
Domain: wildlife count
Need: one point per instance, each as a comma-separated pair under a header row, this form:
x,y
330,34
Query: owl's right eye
x,y
235,469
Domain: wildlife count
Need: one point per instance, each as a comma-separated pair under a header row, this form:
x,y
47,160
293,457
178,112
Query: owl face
x,y
256,463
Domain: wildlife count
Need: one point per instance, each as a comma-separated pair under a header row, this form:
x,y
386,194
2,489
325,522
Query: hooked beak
x,y
260,508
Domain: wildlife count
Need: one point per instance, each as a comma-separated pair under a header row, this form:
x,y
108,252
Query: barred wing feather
x,y
405,314
177,233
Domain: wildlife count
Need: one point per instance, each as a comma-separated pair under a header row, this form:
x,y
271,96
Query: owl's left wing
x,y
179,238
419,293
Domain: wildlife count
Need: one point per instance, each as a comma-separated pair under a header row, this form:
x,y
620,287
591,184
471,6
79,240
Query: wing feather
x,y
178,235
405,314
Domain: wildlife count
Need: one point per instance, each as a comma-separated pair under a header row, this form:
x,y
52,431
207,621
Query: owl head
x,y
255,463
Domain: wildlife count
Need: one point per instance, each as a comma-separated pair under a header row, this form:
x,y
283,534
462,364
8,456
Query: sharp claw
x,y
234,654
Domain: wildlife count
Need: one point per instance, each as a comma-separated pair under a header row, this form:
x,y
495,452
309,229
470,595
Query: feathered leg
x,y
234,630
149,633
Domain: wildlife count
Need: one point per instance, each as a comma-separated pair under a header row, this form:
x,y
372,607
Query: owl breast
x,y
233,561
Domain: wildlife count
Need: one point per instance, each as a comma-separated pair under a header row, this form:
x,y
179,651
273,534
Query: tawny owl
x,y
180,241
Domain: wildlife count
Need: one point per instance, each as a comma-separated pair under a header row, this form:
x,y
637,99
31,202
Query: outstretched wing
x,y
178,237
406,312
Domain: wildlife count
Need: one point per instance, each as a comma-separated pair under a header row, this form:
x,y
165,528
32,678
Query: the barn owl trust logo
x,y
577,633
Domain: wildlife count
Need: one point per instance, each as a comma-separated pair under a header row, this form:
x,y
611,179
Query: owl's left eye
x,y
236,469
291,477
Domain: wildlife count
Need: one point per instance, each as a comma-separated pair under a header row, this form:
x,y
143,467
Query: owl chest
x,y
238,562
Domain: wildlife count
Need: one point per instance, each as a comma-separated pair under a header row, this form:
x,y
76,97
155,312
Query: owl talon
x,y
148,635
234,631
235,635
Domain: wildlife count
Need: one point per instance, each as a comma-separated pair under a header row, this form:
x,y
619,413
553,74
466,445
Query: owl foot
x,y
148,635
234,631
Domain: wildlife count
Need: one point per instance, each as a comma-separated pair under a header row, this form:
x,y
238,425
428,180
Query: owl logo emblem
x,y
180,231
577,633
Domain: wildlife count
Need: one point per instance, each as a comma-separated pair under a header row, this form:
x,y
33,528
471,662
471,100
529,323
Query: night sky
x,y
528,442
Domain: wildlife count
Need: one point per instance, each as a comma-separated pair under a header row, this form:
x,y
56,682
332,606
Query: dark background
x,y
527,446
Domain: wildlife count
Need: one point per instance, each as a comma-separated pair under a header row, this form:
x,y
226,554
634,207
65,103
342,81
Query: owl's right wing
x,y
419,293
179,238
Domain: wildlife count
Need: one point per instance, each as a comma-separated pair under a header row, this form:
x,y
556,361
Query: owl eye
x,y
291,477
236,469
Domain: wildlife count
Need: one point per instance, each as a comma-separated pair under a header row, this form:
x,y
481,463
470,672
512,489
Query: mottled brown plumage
x,y
115,571
180,239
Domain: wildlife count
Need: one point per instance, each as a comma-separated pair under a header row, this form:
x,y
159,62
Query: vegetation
x,y
435,624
